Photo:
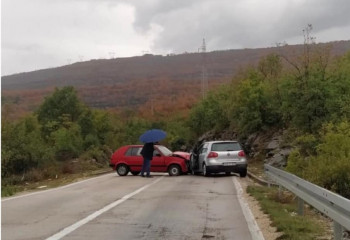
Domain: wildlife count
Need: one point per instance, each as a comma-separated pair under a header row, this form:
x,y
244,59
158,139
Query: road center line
x,y
252,224
92,216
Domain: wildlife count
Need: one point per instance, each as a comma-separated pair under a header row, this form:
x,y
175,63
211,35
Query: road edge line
x,y
249,217
92,216
53,189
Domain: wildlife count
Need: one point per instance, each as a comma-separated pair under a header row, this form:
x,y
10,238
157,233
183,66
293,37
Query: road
x,y
131,207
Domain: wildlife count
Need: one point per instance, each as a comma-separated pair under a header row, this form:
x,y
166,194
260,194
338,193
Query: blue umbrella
x,y
153,135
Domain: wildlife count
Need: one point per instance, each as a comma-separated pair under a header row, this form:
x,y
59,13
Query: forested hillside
x,y
162,83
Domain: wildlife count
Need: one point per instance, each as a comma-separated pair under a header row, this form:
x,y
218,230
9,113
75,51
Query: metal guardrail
x,y
331,204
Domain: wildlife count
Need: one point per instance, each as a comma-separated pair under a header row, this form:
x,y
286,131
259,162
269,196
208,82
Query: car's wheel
x,y
205,170
135,173
174,170
122,170
243,173
228,173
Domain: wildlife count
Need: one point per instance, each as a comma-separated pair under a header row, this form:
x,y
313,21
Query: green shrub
x,y
325,162
297,164
68,143
210,113
100,154
8,190
331,167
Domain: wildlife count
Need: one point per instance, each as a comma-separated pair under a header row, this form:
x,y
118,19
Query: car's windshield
x,y
226,146
165,151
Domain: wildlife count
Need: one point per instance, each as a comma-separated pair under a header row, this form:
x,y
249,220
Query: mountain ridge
x,y
139,81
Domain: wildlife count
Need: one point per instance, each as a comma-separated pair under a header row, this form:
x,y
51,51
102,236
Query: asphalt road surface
x,y
131,207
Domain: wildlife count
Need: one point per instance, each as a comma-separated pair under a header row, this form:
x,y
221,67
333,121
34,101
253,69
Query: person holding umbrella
x,y
147,153
149,138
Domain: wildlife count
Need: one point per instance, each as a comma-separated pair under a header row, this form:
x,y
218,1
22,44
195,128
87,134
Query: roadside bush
x,y
178,133
210,113
297,164
8,190
307,144
68,143
89,141
331,167
254,103
22,147
326,164
69,168
34,175
99,154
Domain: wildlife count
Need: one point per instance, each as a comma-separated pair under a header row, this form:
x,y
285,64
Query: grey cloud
x,y
230,24
49,32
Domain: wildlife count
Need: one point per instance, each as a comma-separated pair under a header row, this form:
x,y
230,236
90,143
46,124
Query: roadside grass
x,y
9,190
256,166
283,214
57,176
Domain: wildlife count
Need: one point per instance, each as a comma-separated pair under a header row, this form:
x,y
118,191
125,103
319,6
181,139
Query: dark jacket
x,y
147,150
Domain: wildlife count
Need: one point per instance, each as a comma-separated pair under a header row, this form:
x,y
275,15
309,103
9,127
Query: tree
x,y
62,102
252,105
67,142
22,147
325,161
210,113
307,88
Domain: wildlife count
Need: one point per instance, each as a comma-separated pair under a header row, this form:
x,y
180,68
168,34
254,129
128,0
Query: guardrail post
x,y
329,203
337,231
300,206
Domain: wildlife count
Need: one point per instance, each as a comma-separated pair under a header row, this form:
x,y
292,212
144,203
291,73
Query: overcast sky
x,y
37,34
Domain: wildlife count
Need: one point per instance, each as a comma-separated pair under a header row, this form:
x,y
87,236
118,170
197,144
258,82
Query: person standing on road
x,y
147,154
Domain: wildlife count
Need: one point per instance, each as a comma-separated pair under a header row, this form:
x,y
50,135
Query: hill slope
x,y
163,83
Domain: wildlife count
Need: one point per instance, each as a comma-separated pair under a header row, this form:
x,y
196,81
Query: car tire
x,y
174,170
135,173
205,171
228,173
243,173
122,170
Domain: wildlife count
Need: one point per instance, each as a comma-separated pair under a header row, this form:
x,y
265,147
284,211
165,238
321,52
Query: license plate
x,y
229,164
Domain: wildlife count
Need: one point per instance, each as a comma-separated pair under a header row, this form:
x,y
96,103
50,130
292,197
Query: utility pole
x,y
204,73
111,55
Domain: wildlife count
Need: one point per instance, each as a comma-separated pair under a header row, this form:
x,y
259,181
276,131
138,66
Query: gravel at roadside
x,y
269,232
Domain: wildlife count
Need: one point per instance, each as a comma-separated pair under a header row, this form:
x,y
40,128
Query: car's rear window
x,y
226,146
133,151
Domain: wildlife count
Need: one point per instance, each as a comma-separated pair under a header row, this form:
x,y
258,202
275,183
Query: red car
x,y
128,158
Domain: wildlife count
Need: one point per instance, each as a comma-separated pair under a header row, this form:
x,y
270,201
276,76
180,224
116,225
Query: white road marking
x,y
53,189
252,224
92,216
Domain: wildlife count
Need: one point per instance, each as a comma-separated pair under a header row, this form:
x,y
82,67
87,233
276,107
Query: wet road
x,y
131,207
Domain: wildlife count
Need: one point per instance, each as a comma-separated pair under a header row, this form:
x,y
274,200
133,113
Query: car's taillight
x,y
213,155
241,154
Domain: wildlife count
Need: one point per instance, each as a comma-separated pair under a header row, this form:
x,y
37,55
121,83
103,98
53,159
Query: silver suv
x,y
219,156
